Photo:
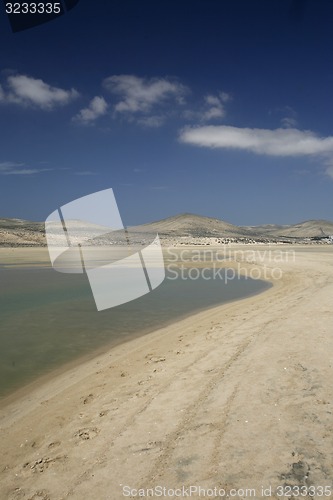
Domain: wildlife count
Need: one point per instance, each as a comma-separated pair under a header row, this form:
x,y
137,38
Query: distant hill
x,y
192,225
307,229
18,232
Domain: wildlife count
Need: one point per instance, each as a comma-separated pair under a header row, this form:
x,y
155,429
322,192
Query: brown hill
x,y
307,229
192,225
18,232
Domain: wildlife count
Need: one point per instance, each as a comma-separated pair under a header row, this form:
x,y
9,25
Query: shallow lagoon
x,y
49,319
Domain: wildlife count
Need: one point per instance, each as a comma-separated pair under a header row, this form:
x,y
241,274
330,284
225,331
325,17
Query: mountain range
x,y
183,227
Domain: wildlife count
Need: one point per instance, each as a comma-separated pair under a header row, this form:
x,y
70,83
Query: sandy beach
x,y
234,399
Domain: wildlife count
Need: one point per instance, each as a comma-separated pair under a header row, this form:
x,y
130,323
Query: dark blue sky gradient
x,y
273,57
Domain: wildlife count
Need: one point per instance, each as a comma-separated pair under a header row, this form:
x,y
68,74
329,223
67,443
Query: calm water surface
x,y
48,319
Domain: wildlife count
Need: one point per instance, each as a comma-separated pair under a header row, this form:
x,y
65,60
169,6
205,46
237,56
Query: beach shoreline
x,y
23,258
82,361
178,396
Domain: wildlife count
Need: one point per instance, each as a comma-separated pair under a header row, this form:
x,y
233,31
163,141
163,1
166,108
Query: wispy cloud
x,y
213,108
289,119
278,142
288,122
7,165
225,97
138,97
329,169
97,107
85,172
159,188
28,91
12,168
154,121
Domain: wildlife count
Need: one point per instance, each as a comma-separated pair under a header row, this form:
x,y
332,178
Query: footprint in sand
x,y
88,399
43,463
54,444
103,413
40,495
86,433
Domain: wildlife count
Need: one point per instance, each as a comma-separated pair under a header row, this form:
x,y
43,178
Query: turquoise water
x,y
48,319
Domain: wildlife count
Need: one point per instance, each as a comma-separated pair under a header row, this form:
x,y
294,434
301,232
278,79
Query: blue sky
x,y
217,107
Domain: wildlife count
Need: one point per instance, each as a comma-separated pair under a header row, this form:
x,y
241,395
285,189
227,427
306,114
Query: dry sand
x,y
239,396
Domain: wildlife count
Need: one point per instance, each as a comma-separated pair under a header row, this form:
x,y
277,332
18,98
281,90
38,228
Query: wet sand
x,y
236,397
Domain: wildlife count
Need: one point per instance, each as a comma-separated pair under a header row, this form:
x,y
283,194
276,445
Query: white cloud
x,y
212,100
2,94
215,108
25,90
97,107
278,142
140,95
212,109
12,168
